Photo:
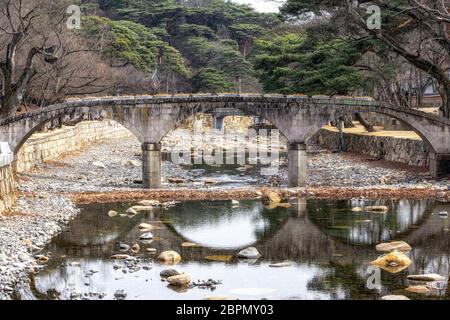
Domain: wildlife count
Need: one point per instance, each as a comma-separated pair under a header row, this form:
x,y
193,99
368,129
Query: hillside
x,y
191,46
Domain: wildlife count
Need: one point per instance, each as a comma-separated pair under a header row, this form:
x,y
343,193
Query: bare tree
x,y
43,62
19,21
418,32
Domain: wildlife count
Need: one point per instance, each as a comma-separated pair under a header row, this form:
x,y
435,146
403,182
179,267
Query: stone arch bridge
x,y
297,117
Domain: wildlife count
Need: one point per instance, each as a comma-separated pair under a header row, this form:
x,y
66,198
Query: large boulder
x,y
169,273
271,198
418,289
394,245
169,257
181,280
393,262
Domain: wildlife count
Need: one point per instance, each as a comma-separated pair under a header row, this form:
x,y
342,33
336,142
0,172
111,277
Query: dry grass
x,y
359,130
10,214
337,193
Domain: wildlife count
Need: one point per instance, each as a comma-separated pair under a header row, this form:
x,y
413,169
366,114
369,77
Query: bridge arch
x,y
182,112
16,131
37,128
429,138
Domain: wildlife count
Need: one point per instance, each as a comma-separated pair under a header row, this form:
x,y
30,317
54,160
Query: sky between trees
x,y
262,5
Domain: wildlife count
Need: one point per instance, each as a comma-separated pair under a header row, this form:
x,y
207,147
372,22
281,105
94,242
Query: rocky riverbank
x,y
23,234
111,171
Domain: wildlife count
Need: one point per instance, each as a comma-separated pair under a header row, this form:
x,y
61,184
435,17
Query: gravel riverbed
x,y
115,165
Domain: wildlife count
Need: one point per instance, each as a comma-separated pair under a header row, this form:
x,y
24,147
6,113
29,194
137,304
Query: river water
x,y
329,248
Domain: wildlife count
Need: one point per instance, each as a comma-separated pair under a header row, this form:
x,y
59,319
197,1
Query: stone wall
x,y
7,188
46,146
404,150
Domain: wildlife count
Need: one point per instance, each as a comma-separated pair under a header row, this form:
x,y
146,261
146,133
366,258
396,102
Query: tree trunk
x,y
341,125
239,83
445,95
348,122
9,104
364,123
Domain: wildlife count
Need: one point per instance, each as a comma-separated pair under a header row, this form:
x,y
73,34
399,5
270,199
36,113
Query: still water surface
x,y
330,248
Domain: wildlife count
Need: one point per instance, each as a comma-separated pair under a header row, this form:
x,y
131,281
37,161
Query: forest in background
x,y
159,46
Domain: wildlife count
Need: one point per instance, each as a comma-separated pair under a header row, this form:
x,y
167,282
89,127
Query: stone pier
x,y
439,165
151,165
297,165
218,122
298,208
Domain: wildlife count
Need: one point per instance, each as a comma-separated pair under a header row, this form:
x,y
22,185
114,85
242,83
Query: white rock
x,y
149,203
394,297
280,265
426,277
112,213
249,253
146,236
131,211
131,163
394,245
99,164
181,280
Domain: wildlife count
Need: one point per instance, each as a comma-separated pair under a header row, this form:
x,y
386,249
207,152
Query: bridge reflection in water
x,y
330,247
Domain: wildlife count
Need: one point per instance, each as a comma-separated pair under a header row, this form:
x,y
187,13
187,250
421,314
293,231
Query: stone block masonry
x,y
8,194
47,146
398,149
